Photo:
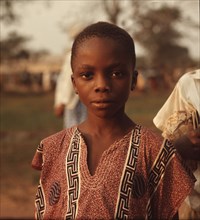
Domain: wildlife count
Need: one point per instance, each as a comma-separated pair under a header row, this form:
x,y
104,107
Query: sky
x,y
45,23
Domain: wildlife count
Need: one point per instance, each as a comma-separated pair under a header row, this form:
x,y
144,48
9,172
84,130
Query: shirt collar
x,y
195,74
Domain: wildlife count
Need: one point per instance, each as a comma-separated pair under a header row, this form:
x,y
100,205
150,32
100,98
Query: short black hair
x,y
105,30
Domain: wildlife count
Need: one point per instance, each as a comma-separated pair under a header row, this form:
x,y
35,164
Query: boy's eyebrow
x,y
114,65
87,66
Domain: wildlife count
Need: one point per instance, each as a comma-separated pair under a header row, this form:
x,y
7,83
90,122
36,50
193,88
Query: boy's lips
x,y
103,103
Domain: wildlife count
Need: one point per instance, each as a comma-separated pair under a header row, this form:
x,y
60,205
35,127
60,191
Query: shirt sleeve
x,y
171,181
175,112
37,162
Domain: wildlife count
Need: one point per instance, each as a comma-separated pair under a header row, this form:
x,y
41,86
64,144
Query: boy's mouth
x,y
103,103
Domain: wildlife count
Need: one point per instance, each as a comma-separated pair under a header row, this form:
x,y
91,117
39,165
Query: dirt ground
x,y
18,179
18,203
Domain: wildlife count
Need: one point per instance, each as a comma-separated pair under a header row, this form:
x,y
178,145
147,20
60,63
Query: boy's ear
x,y
134,79
74,84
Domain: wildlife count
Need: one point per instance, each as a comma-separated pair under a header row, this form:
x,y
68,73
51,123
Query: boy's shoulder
x,y
154,147
149,134
58,137
189,77
51,147
151,141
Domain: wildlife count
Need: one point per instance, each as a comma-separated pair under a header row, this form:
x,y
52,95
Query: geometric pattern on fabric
x,y
54,194
40,148
195,120
73,179
139,186
39,203
157,171
126,185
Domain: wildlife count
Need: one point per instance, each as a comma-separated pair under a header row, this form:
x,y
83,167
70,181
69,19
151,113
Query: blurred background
x,y
34,39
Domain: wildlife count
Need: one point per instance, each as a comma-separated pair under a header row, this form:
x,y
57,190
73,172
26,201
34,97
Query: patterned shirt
x,y
138,177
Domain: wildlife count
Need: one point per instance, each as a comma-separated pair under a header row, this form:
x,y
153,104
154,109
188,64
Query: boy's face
x,y
103,76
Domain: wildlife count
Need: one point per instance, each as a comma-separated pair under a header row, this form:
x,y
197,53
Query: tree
x,y
158,35
7,12
155,30
112,9
14,45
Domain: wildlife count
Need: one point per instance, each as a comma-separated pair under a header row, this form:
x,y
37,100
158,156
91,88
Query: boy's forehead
x,y
100,43
101,53
102,49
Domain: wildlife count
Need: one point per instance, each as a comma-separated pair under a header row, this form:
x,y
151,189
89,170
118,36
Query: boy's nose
x,y
102,84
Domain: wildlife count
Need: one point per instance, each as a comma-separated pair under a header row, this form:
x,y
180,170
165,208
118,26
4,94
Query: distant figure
x,y
179,120
107,167
67,103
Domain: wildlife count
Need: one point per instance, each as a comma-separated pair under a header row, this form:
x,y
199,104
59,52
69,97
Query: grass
x,y
28,113
142,108
25,120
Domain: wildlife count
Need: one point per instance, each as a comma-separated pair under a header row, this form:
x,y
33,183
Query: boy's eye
x,y
87,75
117,74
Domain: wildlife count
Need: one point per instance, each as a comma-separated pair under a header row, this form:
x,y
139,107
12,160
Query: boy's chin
x,y
106,114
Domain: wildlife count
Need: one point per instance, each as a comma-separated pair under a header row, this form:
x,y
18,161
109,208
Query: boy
x,y
107,167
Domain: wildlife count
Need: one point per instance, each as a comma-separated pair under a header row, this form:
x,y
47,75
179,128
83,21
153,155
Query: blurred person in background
x,y
179,121
67,103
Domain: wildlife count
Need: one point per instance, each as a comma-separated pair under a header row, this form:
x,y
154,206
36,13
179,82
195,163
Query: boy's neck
x,y
101,126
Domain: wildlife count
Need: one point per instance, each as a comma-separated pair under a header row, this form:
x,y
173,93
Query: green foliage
x,y
13,47
7,13
156,27
157,33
